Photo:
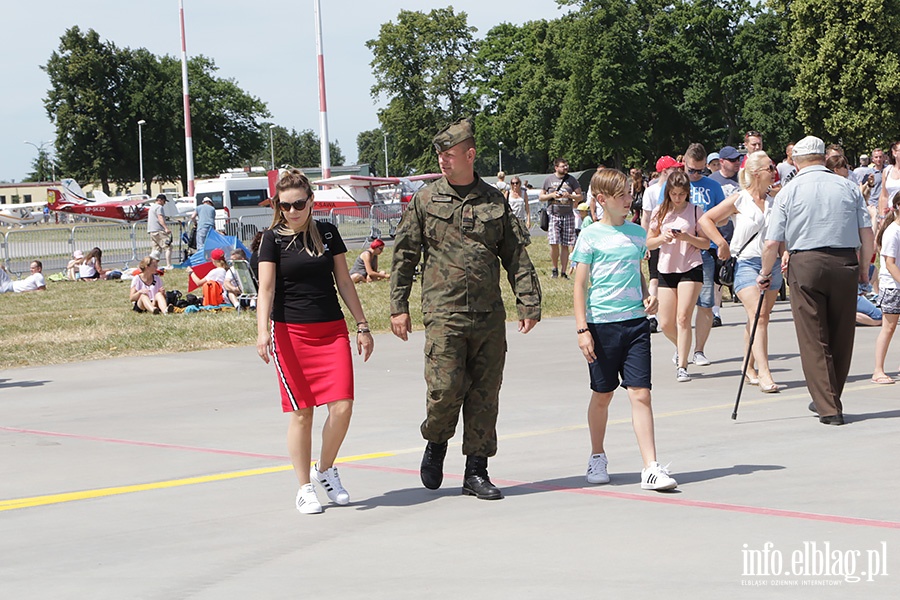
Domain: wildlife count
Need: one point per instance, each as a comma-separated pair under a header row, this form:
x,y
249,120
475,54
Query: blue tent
x,y
215,240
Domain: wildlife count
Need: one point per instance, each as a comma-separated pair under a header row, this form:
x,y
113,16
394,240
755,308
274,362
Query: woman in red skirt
x,y
301,262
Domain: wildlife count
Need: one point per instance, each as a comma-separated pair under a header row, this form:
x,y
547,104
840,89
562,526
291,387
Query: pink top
x,y
675,256
138,284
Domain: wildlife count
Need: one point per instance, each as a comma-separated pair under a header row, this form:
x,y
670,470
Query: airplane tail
x,y
72,191
54,199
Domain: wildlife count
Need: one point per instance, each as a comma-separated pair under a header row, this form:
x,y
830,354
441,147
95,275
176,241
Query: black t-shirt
x,y
304,284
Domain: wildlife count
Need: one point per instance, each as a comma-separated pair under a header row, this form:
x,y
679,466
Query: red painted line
x,y
661,498
92,438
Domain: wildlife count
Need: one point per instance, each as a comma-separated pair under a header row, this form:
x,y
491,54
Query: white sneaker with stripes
x,y
331,483
655,477
307,501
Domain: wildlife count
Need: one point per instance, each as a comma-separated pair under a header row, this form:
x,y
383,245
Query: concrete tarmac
x,y
111,489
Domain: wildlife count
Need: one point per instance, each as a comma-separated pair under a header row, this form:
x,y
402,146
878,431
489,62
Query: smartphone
x,y
676,231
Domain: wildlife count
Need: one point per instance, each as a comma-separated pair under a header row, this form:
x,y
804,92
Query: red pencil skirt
x,y
313,363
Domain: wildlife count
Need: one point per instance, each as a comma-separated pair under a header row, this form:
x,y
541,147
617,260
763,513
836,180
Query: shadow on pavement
x,y
631,480
9,383
408,497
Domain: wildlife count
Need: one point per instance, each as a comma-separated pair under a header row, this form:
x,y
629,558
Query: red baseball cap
x,y
217,254
667,162
376,244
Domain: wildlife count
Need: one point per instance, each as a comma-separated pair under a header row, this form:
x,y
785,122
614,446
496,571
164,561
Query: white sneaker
x,y
331,483
700,360
657,478
596,471
675,359
307,501
681,375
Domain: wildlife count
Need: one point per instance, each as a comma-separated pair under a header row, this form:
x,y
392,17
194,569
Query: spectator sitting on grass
x,y
216,275
33,283
92,267
148,294
231,284
72,271
365,269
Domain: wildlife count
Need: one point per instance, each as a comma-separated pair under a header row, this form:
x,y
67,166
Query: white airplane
x,y
73,194
22,214
348,190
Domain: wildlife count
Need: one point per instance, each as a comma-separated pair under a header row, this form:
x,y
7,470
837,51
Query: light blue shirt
x,y
818,209
206,216
614,256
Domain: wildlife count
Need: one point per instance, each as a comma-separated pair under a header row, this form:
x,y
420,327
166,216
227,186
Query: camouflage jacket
x,y
462,242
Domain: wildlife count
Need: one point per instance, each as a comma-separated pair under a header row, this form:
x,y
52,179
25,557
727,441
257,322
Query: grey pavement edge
x,y
110,489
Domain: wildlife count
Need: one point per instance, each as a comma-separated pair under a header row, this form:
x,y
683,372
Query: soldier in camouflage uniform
x,y
463,230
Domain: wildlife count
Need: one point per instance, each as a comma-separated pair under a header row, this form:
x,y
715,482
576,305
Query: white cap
x,y
809,145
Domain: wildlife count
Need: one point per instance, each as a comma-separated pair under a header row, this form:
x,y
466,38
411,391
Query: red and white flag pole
x,y
324,152
188,140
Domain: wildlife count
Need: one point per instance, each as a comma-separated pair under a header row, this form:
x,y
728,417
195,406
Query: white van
x,y
237,198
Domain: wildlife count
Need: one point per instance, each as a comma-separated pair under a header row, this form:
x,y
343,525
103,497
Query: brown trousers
x,y
823,301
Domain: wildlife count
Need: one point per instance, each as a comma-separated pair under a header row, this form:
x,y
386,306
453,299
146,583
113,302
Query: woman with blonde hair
x,y
674,230
750,208
302,268
148,294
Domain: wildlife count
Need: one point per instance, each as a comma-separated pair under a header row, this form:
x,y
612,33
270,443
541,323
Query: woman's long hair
x,y
888,218
637,183
677,179
294,179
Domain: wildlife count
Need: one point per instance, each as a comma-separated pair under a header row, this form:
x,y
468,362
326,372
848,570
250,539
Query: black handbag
x,y
724,274
544,222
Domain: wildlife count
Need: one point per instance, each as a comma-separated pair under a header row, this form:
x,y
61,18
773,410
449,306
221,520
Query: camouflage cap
x,y
453,134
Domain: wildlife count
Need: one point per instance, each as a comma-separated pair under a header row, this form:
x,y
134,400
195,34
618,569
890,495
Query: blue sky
x,y
267,47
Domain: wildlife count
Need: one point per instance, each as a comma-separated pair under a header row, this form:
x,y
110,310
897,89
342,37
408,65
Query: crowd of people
x,y
702,221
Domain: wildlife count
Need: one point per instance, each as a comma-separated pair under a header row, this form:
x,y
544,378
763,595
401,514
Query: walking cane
x,y
762,296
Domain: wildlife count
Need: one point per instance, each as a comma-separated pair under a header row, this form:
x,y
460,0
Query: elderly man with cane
x,y
822,219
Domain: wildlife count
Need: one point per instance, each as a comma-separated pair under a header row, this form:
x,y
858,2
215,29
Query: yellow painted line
x,y
158,485
18,503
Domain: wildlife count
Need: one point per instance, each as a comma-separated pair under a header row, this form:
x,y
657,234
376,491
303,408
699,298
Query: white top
x,y
891,185
29,284
747,221
518,205
217,274
651,197
139,285
87,269
890,246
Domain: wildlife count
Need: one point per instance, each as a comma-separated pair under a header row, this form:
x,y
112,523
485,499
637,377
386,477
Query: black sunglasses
x,y
298,205
736,159
695,171
515,183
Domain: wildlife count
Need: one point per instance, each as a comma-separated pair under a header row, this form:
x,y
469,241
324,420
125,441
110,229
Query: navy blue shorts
x,y
622,349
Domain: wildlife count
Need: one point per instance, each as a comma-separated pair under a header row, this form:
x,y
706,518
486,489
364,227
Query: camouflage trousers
x,y
464,358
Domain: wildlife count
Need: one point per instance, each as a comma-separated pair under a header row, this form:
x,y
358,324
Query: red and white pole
x,y
325,154
188,140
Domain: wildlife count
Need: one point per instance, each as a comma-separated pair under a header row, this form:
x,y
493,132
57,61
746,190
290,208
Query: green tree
x,y
85,103
522,83
424,65
301,148
99,92
845,66
370,150
43,167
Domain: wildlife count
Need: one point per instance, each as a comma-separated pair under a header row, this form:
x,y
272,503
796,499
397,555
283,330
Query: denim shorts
x,y
746,272
622,349
707,297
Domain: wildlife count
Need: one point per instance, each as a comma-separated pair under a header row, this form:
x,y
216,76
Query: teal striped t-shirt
x,y
614,256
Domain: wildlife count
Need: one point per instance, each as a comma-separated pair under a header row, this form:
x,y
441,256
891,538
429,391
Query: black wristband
x,y
580,331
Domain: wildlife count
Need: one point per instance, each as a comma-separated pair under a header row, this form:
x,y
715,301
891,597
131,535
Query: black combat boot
x,y
477,483
432,470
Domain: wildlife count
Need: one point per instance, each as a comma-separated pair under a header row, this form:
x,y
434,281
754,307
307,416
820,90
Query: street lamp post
x,y
386,173
40,159
272,144
141,123
500,156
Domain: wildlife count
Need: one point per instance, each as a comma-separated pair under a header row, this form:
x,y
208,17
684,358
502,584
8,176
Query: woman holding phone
x,y
674,230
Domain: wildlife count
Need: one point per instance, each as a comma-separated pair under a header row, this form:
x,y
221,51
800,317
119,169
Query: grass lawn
x,y
75,321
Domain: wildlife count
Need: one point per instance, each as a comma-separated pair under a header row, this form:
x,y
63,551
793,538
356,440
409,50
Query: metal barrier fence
x,y
125,244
